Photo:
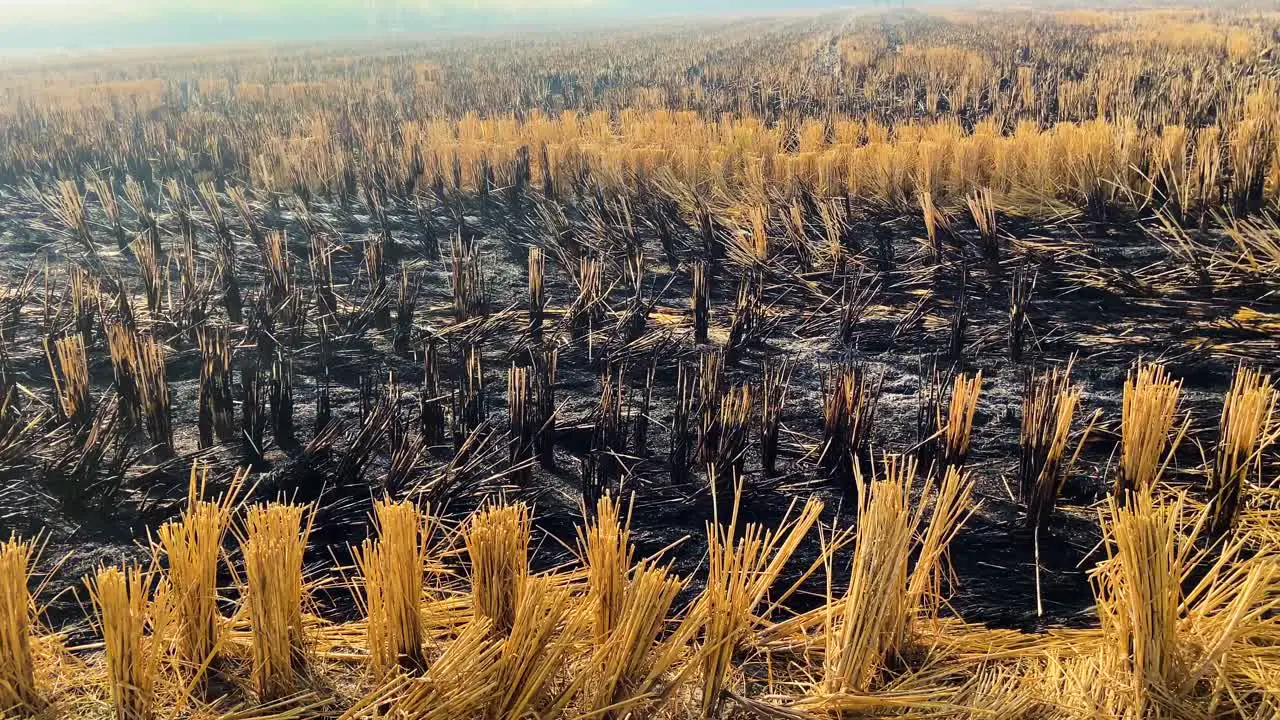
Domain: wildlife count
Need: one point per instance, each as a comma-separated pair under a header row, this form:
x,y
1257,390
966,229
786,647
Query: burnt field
x,y
341,409
869,363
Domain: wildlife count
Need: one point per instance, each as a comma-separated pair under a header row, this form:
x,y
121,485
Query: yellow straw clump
x,y
957,427
122,602
1246,427
871,620
273,553
875,618
192,547
605,546
741,568
1139,594
497,542
17,672
1148,411
393,567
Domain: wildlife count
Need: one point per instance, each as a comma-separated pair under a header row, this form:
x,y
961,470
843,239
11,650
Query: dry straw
x,y
544,631
629,609
461,683
18,693
392,567
875,623
1049,406
273,552
497,541
605,547
1139,591
850,399
1148,412
71,378
742,565
1245,429
632,667
956,428
192,547
1182,621
122,601
870,622
773,398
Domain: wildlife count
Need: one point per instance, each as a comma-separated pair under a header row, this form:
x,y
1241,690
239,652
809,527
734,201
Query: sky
x,y
39,25
27,10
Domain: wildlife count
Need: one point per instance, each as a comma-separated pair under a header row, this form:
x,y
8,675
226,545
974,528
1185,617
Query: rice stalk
x,y
123,604
701,303
773,399
273,547
1020,292
870,622
393,567
18,691
682,446
192,546
983,211
69,208
105,190
431,404
1245,429
732,433
850,399
743,562
544,438
1049,405
856,298
1147,441
630,667
537,293
497,543
70,379
460,683
521,421
606,550
956,428
467,278
215,408
406,305
84,299
544,633
1139,592
139,364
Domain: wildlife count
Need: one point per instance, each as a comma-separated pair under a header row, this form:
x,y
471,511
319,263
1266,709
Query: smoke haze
x,y
52,25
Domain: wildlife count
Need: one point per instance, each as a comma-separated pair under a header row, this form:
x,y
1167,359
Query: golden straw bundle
x,y
273,551
497,542
17,672
1147,415
393,567
122,603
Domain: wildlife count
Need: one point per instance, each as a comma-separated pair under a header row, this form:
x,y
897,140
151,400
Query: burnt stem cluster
x,y
215,406
773,398
850,399
1020,292
467,278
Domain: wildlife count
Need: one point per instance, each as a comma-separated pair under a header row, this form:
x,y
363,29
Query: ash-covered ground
x,y
1105,294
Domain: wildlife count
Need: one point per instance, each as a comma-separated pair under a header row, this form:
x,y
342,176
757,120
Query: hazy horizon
x,y
33,26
